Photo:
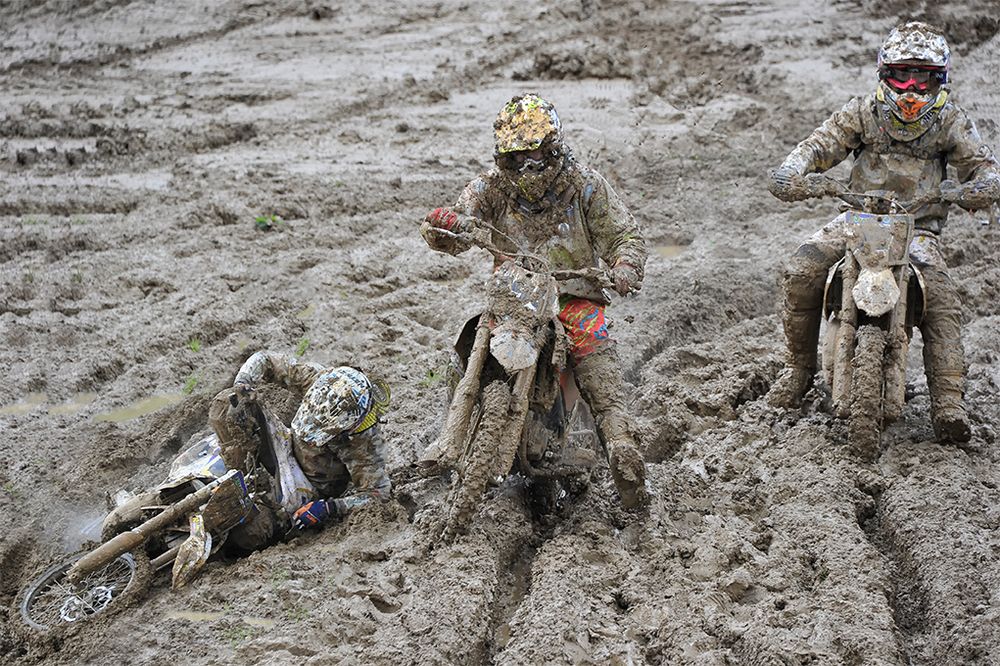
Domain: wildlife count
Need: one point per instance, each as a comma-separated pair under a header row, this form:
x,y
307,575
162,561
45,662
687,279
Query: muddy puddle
x,y
140,408
29,403
669,251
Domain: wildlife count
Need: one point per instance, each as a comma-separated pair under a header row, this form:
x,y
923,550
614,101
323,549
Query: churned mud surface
x,y
139,143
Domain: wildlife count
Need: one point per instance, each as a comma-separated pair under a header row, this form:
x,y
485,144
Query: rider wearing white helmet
x,y
903,137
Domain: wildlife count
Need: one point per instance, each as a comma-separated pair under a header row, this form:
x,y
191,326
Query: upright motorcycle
x,y
516,397
874,297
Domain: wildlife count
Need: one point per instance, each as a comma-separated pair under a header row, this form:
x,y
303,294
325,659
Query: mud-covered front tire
x,y
864,424
49,603
482,460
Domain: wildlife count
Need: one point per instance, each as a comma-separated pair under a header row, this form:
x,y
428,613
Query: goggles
x,y
533,159
920,79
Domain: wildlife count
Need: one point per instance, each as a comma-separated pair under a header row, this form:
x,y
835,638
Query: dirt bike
x,y
873,298
179,524
512,407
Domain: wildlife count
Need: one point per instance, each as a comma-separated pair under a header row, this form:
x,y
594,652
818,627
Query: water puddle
x,y
140,408
75,404
31,402
669,251
196,616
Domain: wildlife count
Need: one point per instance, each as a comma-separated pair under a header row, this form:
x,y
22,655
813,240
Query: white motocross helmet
x,y
337,403
913,66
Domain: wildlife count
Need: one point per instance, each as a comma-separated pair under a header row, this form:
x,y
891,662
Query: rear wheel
x,y
864,425
50,601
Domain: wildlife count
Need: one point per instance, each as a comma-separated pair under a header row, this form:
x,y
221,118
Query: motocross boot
x,y
802,336
599,377
946,382
232,418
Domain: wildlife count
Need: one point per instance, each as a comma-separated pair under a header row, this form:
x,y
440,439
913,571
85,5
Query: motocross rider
x,y
903,137
539,199
334,437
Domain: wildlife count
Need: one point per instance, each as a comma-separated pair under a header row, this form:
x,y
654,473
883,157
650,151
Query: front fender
x,y
876,291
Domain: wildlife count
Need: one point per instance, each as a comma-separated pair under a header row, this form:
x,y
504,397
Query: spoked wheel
x,y
50,601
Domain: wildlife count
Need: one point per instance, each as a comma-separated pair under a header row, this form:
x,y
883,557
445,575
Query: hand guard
x,y
313,514
443,218
626,278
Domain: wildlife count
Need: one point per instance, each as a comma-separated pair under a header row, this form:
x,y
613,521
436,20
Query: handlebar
x,y
824,186
598,276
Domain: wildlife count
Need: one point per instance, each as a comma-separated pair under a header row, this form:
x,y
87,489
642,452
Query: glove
x,y
443,218
787,184
242,392
313,514
979,193
951,192
626,278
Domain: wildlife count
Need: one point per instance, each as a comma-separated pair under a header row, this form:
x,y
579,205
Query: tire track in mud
x,y
905,598
509,600
931,520
118,54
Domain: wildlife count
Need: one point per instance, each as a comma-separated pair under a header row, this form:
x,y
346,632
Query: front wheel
x,y
50,601
864,425
482,461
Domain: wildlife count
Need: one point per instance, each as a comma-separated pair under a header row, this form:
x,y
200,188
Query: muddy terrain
x,y
183,183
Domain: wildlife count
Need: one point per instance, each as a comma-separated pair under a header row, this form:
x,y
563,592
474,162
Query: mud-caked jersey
x,y
581,222
908,159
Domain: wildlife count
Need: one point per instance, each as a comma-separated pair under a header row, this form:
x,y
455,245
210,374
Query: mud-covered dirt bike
x,y
512,407
179,524
874,297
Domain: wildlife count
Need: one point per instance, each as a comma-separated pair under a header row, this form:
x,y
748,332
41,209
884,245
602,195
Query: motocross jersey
x,y
581,221
908,159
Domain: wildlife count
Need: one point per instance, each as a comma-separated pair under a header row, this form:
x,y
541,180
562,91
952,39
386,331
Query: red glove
x,y
442,218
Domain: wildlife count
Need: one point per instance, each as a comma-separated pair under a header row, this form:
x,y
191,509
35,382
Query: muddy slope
x,y
139,144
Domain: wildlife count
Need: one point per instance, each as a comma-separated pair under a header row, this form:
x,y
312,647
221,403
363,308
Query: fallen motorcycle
x,y
512,407
873,299
179,524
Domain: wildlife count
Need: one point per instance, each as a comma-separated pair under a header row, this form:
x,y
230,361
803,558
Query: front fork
x,y
894,363
896,351
843,350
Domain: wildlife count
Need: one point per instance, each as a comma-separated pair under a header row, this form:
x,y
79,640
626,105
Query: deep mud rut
x,y
139,141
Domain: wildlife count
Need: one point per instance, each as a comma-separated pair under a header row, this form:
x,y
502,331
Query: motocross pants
x,y
804,282
599,376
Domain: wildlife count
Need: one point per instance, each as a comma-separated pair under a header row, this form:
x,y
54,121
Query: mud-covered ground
x,y
140,140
